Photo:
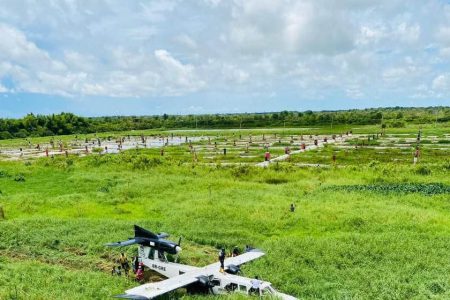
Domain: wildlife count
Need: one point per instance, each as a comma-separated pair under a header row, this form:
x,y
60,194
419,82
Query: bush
x,y
445,165
402,188
22,133
5,135
240,171
97,150
398,124
19,178
144,162
272,180
373,163
422,170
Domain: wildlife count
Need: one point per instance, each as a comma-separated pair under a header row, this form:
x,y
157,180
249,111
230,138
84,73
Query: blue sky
x,y
112,57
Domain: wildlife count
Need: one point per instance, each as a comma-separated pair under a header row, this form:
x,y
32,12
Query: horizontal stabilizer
x,y
124,243
134,297
163,235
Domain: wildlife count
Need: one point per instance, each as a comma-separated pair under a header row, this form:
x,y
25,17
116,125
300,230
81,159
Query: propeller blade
x,y
179,241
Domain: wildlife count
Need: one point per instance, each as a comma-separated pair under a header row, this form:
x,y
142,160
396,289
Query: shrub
x,y
397,124
436,288
144,162
240,171
19,177
272,180
356,222
445,165
5,135
403,188
422,170
97,150
373,163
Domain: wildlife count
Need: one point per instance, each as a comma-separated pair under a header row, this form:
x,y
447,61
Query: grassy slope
x,y
337,245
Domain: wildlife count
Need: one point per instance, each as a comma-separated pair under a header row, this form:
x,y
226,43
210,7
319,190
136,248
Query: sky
x,y
115,57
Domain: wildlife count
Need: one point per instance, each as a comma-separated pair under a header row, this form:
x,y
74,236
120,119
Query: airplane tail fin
x,y
141,232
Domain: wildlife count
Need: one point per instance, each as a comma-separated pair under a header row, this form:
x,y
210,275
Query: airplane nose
x,y
178,249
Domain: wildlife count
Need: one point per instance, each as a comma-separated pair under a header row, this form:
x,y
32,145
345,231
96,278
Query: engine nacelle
x,y
204,281
233,269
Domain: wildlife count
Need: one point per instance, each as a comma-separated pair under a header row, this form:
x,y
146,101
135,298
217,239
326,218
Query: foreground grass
x,y
338,244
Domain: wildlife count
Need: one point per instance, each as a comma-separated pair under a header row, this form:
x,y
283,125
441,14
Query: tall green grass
x,y
338,244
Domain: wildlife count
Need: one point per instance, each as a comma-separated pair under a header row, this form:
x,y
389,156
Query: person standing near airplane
x,y
222,259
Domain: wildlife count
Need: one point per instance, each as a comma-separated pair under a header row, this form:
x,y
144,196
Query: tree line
x,y
68,123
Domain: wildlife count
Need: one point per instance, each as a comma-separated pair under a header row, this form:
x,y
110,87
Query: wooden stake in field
x,y
2,213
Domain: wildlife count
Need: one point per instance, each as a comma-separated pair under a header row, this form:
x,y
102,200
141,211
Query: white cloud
x,y
316,49
16,48
233,74
407,33
186,41
3,89
34,70
442,83
443,35
305,27
181,76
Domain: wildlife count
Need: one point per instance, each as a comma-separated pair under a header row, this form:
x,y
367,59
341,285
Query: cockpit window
x,y
267,291
215,282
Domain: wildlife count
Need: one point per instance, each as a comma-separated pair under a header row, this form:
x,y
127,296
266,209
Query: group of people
x,y
124,266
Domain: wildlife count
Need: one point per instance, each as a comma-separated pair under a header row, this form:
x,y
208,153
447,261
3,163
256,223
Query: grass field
x,y
370,226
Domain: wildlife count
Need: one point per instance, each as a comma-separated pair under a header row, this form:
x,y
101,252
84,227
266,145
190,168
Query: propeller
x,y
206,281
178,249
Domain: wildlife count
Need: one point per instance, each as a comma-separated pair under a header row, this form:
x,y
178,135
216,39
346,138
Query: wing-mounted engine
x,y
233,269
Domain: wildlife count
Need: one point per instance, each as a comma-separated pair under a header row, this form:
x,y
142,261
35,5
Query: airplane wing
x,y
237,260
154,289
243,258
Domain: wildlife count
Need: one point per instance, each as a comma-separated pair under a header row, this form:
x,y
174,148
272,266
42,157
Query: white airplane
x,y
152,249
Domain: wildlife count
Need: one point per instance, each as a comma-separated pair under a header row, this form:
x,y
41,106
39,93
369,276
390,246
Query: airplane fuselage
x,y
221,283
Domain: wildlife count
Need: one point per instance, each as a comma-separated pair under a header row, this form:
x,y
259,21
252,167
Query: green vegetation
x,y
402,188
369,226
67,123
